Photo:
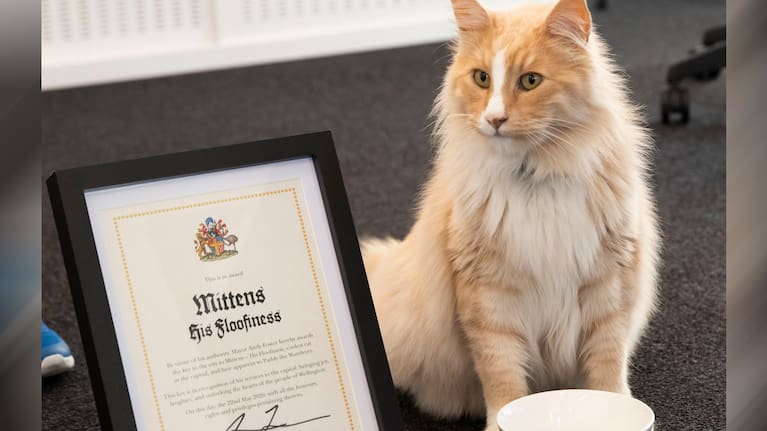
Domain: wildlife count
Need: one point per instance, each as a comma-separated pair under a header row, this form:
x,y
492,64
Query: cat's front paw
x,y
625,390
492,424
618,388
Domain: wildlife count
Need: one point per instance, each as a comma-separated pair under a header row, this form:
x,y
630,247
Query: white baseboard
x,y
91,71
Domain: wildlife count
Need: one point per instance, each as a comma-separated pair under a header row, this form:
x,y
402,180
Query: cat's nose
x,y
496,121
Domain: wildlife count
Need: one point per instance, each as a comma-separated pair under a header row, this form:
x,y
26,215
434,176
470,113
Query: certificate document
x,y
228,304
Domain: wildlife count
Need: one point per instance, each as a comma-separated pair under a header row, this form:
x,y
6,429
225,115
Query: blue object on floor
x,y
55,354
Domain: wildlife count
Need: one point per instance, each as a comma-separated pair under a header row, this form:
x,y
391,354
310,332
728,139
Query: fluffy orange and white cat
x,y
532,262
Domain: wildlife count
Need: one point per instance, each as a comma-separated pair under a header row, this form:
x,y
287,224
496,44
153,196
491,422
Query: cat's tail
x,y
373,249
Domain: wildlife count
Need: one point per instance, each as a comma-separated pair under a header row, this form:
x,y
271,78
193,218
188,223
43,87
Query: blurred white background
x,y
97,41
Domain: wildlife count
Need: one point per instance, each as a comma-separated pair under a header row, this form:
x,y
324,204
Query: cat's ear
x,y
571,19
470,15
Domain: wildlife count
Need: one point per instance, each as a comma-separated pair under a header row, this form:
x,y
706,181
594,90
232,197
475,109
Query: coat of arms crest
x,y
214,242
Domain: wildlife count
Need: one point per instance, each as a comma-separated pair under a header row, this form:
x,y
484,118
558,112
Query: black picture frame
x,y
67,194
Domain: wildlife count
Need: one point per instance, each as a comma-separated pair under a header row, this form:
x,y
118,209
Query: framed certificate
x,y
223,289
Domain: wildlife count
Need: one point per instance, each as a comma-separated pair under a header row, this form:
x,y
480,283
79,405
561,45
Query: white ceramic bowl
x,y
576,410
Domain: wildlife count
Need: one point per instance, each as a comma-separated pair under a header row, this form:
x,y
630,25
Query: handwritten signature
x,y
235,426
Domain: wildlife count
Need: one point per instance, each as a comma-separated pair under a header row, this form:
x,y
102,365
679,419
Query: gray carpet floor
x,y
377,106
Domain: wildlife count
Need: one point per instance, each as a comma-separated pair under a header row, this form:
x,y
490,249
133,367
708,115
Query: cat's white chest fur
x,y
548,231
545,228
550,235
550,244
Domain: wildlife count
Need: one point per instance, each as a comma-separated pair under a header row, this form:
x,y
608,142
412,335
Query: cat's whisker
x,y
540,145
561,126
559,123
555,138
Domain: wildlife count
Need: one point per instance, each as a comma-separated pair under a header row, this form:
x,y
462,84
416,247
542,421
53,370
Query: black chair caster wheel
x,y
675,101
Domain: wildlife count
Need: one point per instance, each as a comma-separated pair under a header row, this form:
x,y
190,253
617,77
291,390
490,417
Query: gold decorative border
x,y
322,307
291,190
138,323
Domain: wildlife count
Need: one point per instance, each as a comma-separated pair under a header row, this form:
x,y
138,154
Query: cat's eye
x,y
530,80
482,78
